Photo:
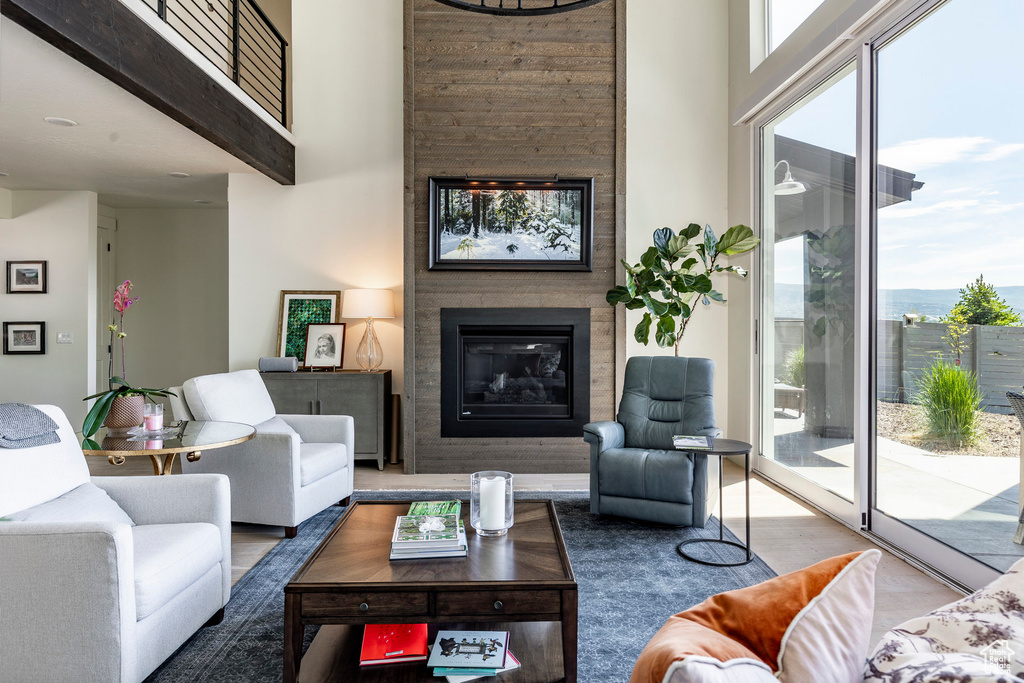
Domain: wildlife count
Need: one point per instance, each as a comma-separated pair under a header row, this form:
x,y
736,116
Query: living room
x,y
667,108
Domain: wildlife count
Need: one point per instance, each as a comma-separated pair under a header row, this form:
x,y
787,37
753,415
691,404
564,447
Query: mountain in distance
x,y
893,303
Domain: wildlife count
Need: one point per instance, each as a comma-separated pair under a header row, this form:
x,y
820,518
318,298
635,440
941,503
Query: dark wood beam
x,y
113,41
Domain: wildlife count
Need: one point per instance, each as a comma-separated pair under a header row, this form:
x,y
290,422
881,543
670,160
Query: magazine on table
x,y
417,553
682,442
510,663
434,508
393,643
469,650
427,531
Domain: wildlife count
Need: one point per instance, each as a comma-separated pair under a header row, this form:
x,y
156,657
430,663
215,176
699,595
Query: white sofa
x,y
84,594
296,466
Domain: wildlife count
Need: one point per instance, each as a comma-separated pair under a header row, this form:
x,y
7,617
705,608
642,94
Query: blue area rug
x,y
630,581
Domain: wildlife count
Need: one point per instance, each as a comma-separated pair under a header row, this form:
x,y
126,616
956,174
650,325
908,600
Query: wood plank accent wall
x,y
504,97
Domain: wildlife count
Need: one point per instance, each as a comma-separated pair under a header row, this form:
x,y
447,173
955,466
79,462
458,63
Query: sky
x,y
951,111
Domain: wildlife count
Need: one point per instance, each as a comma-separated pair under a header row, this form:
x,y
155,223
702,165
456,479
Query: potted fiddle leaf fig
x,y
674,274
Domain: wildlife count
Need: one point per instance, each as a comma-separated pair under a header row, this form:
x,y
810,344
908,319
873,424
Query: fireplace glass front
x,y
515,376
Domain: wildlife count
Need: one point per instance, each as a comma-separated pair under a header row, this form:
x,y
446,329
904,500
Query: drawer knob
x,y
363,607
497,604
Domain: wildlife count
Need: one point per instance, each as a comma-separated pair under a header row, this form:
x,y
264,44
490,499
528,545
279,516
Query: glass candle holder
x,y
153,417
490,502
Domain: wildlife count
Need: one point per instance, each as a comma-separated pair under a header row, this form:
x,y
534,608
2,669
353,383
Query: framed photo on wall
x,y
298,311
511,224
26,277
24,338
325,345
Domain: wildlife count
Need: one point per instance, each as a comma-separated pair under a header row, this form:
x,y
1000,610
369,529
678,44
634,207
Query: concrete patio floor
x,y
968,502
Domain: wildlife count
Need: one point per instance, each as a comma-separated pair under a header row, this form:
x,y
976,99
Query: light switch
x,y
65,338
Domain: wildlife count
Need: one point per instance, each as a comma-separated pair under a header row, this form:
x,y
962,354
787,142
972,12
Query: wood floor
x,y
787,534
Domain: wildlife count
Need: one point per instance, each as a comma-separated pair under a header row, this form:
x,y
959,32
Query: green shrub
x,y
796,372
951,400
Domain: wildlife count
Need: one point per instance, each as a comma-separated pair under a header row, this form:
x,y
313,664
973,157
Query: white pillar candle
x,y
492,503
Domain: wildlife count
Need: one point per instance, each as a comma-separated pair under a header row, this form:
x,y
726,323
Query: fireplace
x,y
515,372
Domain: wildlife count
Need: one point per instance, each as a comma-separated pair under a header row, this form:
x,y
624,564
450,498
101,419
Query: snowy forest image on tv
x,y
509,225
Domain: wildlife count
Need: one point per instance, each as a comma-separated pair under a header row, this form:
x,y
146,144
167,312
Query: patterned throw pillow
x,y
978,639
808,625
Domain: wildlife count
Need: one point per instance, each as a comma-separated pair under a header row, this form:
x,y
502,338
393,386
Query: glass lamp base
x,y
369,354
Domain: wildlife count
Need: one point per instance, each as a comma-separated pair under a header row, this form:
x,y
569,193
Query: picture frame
x,y
24,338
26,277
299,309
511,224
325,345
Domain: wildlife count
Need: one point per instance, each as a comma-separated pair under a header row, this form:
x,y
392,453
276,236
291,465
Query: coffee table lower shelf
x,y
333,656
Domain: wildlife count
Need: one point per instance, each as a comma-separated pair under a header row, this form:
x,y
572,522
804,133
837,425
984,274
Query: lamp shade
x,y
368,303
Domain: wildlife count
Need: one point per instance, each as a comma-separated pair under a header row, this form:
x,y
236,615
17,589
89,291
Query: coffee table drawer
x,y
364,604
476,603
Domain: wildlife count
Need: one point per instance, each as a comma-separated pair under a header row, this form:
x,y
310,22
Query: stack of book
x,y
431,529
467,655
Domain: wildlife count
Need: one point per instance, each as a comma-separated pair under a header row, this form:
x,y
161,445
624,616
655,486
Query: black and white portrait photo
x,y
325,345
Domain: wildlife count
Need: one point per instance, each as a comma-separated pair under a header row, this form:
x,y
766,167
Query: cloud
x,y
914,155
909,211
1001,151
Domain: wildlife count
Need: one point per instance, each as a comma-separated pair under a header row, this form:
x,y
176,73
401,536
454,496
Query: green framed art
x,y
299,310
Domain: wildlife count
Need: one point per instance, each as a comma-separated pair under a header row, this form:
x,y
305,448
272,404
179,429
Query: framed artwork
x,y
325,345
299,310
511,224
26,277
27,338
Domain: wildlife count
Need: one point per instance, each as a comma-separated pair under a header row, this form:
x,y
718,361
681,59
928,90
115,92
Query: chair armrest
x,y
324,428
178,499
604,435
172,499
60,582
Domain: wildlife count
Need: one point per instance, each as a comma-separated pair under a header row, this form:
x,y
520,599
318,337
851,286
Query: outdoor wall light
x,y
788,185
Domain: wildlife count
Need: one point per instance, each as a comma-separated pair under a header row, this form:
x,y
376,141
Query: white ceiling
x,y
122,148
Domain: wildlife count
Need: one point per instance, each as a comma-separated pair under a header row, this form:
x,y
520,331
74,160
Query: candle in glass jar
x,y
153,417
492,503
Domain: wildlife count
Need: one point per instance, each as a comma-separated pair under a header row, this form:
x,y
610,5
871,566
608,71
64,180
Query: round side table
x,y
723,448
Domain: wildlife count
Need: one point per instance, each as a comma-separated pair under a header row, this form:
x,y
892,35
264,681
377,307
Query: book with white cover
x,y
511,663
469,649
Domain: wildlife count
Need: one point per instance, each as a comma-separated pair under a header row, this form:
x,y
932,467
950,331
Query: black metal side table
x,y
723,448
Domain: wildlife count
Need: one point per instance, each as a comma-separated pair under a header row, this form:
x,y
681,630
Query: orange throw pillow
x,y
794,611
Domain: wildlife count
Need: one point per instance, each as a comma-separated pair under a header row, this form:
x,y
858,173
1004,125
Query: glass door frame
x,y
861,514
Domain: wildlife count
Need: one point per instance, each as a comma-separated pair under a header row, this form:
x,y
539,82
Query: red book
x,y
389,643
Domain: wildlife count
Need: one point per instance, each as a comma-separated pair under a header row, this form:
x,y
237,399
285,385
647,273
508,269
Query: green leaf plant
x,y
118,387
674,274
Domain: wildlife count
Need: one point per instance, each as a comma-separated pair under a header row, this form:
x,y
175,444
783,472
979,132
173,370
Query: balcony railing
x,y
238,38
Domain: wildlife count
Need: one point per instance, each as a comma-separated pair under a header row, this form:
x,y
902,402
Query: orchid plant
x,y
117,386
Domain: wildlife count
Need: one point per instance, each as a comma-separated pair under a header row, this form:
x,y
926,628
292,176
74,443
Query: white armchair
x,y
295,466
87,593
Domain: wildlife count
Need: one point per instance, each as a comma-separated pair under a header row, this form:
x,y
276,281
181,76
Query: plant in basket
x,y
121,405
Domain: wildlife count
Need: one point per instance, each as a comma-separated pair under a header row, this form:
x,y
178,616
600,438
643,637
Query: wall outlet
x,y
65,338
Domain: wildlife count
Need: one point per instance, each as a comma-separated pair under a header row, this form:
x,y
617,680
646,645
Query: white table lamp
x,y
369,304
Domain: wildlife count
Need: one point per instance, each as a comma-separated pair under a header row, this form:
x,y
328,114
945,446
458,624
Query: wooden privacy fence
x,y
995,354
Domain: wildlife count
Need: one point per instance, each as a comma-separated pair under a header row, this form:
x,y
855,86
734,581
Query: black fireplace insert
x,y
514,371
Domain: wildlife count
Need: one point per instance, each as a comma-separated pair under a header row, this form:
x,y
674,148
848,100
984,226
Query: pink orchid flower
x,y
121,299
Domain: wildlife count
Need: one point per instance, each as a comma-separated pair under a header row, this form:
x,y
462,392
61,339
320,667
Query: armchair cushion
x,y
647,474
169,558
663,396
317,460
229,397
30,476
87,503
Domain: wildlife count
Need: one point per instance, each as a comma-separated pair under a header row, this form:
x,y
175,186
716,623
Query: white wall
x,y
177,260
340,226
59,227
677,128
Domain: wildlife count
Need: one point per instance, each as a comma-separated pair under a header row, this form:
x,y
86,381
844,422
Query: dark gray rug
x,y
630,581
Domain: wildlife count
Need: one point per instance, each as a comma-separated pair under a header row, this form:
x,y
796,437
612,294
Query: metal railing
x,y
238,38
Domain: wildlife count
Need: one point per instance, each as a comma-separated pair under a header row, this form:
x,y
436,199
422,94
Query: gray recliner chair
x,y
634,470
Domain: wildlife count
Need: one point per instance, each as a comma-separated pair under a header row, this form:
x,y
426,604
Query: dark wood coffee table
x,y
522,582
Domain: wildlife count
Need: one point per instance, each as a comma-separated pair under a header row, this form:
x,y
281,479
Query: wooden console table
x,y
366,396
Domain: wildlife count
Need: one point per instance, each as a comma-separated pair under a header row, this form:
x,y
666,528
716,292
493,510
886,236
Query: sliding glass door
x,y
809,180
892,202
949,205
